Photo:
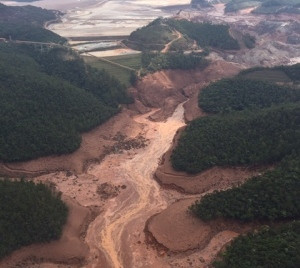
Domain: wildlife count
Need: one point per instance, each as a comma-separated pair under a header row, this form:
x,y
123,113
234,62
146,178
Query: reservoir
x,y
88,18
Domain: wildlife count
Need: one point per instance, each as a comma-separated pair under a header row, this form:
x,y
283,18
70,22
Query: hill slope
x,y
48,98
26,23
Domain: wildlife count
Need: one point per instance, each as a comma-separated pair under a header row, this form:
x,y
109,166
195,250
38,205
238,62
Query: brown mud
x,y
113,171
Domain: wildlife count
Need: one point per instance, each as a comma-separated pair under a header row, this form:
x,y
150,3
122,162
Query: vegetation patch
x,y
26,23
241,138
132,61
155,61
118,72
238,94
29,213
268,247
162,31
206,34
272,196
154,36
280,74
48,98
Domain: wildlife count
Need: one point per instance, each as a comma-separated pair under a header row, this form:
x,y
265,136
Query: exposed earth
x,y
128,207
111,182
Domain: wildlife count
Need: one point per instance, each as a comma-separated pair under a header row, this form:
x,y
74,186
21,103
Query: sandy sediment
x,y
215,178
93,148
162,90
121,225
166,89
179,231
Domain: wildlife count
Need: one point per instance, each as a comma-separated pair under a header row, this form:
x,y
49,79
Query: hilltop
x,y
27,23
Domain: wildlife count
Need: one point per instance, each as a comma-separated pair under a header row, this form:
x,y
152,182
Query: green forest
x,y
26,23
275,247
155,61
256,122
271,196
283,74
206,34
153,36
48,98
158,33
236,94
242,138
30,213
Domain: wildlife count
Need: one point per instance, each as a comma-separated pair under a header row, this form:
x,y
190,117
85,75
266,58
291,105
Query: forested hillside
x,y
238,94
29,214
282,74
258,137
206,34
155,61
268,247
161,31
26,23
271,196
48,98
153,36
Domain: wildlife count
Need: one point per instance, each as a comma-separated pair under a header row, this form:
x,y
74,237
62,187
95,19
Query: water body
x,y
106,17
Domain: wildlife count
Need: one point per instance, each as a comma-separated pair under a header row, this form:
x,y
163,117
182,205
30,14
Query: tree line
x,y
48,99
27,23
236,94
269,197
270,246
241,138
29,213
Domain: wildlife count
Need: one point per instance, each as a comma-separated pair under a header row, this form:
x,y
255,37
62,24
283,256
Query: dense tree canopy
x,y
153,62
29,213
238,94
271,196
269,247
26,23
292,72
161,31
47,99
153,36
257,137
206,34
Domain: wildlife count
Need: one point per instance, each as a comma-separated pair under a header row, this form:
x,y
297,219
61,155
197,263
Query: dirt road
x,y
167,46
118,232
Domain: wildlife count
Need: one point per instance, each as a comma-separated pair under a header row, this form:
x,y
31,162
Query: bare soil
x,y
215,178
115,176
93,148
166,89
179,231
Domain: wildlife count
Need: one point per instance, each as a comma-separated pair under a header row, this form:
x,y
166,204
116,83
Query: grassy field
x,y
269,76
131,61
122,74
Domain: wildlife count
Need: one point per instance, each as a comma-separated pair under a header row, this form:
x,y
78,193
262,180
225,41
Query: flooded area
x,y
106,17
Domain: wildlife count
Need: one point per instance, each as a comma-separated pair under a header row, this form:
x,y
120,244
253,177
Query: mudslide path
x,y
116,238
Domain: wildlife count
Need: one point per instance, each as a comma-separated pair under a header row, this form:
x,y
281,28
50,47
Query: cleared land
x,y
121,73
269,76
